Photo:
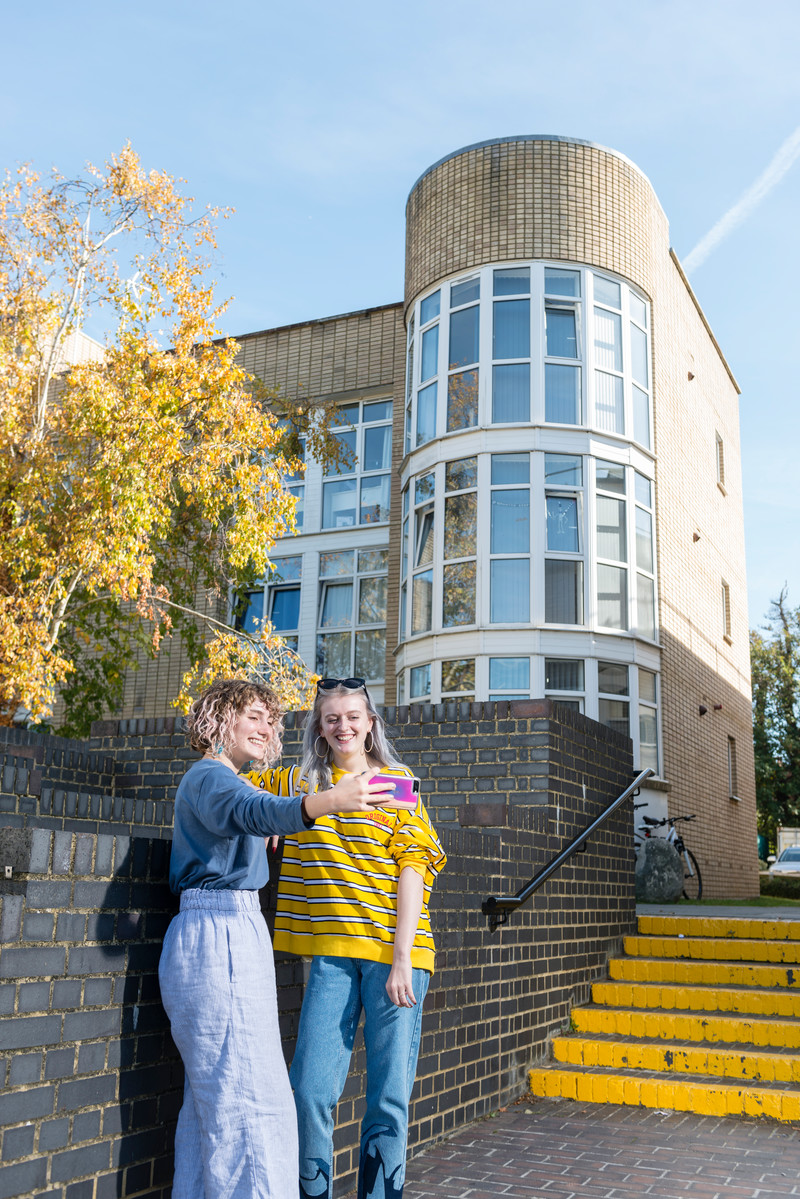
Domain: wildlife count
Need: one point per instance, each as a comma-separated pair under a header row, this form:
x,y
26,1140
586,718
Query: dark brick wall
x,y
92,1081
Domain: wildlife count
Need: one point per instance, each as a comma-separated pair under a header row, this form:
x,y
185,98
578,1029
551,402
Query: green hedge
x,y
781,888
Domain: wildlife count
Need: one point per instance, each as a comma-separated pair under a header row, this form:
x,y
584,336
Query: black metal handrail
x,y
497,907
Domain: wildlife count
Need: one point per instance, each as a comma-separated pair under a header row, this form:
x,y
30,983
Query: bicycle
x,y
692,880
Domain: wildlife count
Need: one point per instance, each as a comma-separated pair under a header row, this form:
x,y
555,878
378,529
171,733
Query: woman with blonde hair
x,y
237,1131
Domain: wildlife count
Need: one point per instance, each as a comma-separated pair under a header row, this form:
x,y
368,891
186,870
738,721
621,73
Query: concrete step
x,y
737,949
715,926
671,997
742,1063
698,1027
707,973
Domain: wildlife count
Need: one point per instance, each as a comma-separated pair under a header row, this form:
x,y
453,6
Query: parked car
x,y
787,862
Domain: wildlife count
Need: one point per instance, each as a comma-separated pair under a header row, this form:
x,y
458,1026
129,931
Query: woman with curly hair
x,y
237,1130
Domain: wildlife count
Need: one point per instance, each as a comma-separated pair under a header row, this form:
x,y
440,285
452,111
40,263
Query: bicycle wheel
x,y
692,883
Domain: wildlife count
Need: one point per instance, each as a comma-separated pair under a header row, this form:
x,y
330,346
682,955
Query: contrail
x,y
741,210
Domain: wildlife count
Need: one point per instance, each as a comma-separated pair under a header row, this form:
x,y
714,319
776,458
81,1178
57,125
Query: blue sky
x,y
313,121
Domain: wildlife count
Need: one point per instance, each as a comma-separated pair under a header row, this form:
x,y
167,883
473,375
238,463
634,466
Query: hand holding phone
x,y
405,794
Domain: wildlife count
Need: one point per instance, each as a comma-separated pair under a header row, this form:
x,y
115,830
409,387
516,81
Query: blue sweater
x,y
221,821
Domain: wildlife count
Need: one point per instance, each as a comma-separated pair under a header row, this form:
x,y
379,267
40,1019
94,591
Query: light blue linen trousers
x,y
237,1130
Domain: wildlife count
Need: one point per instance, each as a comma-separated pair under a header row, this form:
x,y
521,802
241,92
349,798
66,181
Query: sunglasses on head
x,y
332,684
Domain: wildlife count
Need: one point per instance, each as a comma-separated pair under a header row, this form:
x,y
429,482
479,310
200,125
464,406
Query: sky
x,y
313,121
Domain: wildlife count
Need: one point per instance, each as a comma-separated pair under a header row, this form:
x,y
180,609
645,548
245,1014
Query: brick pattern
x,y
93,1083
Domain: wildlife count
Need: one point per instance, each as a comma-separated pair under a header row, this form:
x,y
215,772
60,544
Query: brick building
x,y
546,495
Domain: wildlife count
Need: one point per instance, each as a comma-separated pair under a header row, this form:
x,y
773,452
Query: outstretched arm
x,y
410,892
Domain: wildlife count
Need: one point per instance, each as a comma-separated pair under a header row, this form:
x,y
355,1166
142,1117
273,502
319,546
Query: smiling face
x,y
344,723
252,734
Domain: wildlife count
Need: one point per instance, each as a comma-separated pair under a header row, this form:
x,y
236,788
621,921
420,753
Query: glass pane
x,y
253,616
648,739
299,494
563,470
609,405
374,499
644,540
510,468
641,417
408,429
337,606
369,560
462,400
379,410
401,689
285,612
562,394
511,393
346,414
562,338
429,307
614,713
562,524
458,675
643,490
424,537
349,457
430,353
608,339
638,310
516,281
610,476
510,674
371,654
426,413
286,570
420,680
611,540
612,599
510,517
509,580
574,705
290,642
331,565
563,674
462,293
646,607
372,601
378,448
333,655
639,366
410,371
423,488
422,602
460,475
458,602
647,686
464,336
460,523
404,550
607,292
612,678
563,592
403,594
512,329
561,283
339,504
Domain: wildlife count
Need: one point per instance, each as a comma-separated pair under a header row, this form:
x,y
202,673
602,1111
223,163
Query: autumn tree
x,y
136,480
775,664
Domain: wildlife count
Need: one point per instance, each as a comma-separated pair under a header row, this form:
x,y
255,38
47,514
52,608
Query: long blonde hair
x,y
316,768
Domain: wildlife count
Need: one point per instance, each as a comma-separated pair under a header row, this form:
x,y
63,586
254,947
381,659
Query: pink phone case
x,y
406,791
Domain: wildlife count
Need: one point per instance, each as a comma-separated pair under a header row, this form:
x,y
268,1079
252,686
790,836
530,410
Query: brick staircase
x,y
701,1015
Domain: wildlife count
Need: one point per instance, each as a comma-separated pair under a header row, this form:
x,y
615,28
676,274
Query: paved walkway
x,y
561,1149
724,911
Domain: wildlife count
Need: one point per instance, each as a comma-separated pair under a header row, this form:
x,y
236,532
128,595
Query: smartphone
x,y
406,791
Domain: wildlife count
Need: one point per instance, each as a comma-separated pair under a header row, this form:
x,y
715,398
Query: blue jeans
x,y
337,990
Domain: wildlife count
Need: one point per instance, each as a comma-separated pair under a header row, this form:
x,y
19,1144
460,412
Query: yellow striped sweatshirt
x,y
337,894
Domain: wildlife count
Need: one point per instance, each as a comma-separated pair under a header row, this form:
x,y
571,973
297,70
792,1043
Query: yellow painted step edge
x,y
720,974
748,1066
655,996
702,926
704,1099
696,948
680,1026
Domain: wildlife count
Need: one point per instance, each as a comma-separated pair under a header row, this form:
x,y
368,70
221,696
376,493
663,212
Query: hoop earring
x,y
323,753
368,750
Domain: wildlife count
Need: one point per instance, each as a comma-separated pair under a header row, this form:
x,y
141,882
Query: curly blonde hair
x,y
211,719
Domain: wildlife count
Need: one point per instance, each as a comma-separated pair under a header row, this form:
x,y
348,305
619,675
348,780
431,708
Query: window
x,y
351,622
356,491
612,547
648,720
458,679
645,558
563,565
460,542
726,612
509,574
463,350
420,687
509,678
733,777
564,681
562,379
422,555
251,612
295,485
612,683
640,369
720,453
283,598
